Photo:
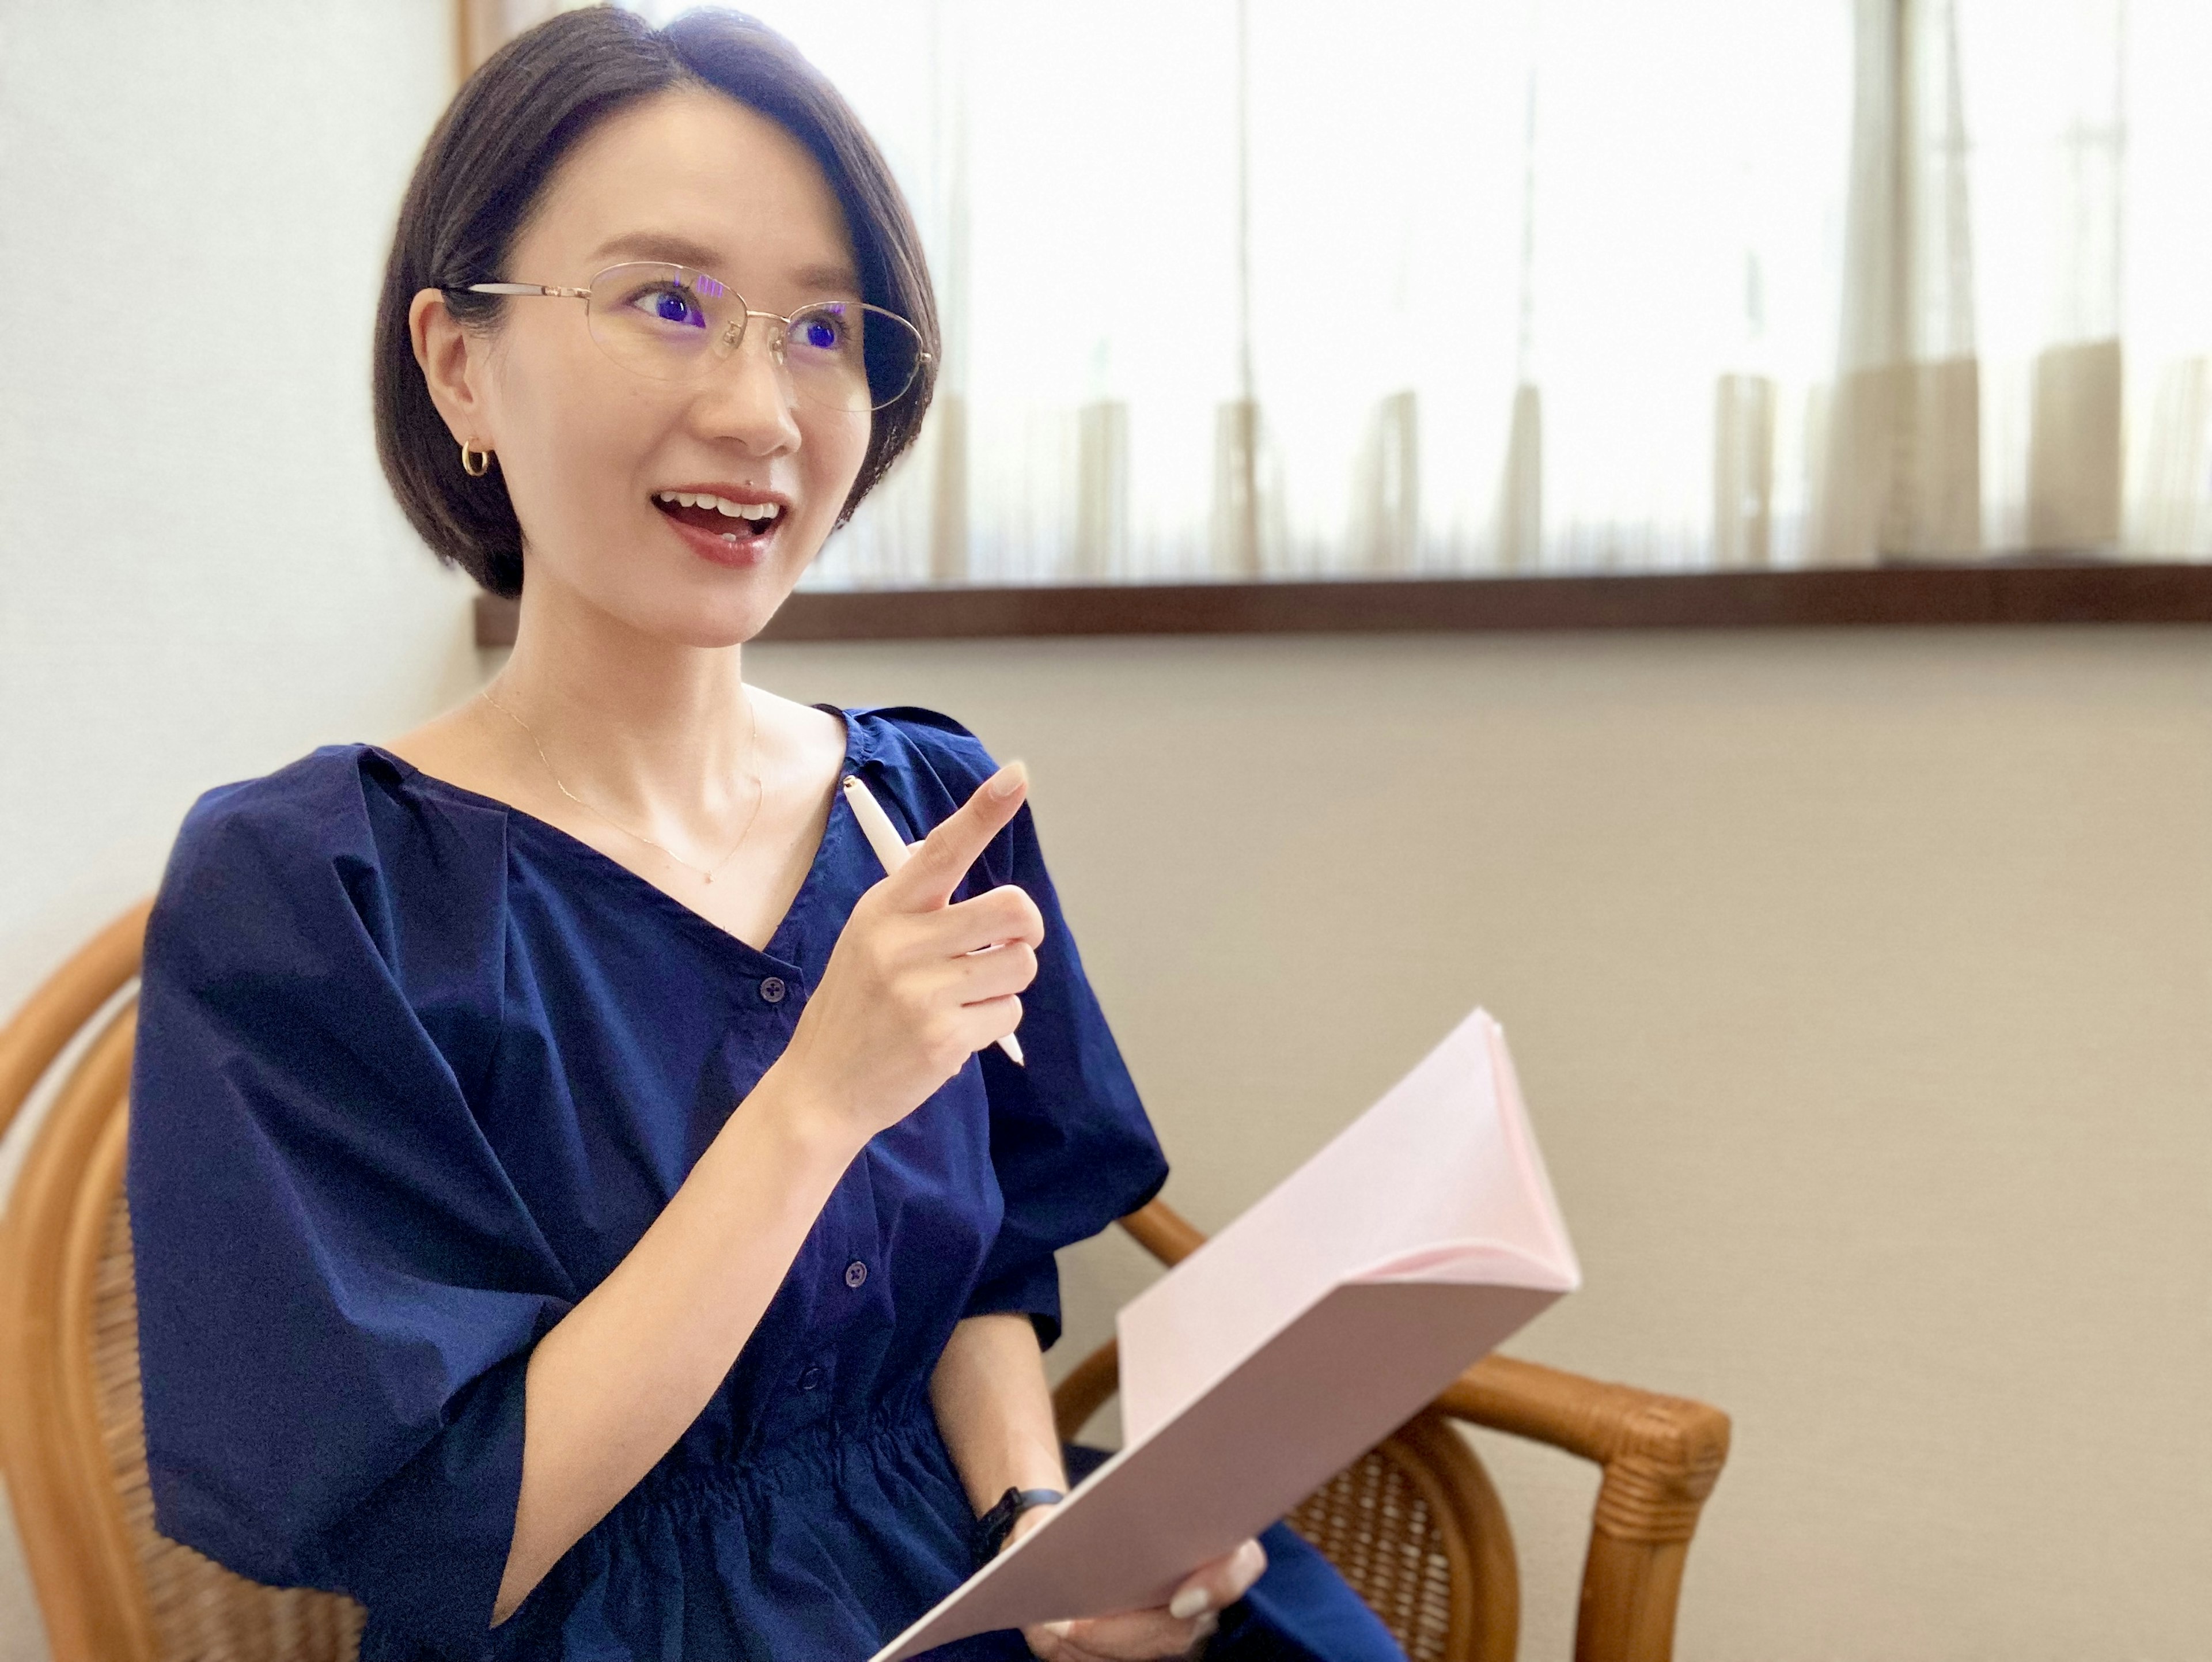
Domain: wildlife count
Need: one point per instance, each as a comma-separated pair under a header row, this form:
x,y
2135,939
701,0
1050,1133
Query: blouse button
x,y
773,989
855,1273
810,1380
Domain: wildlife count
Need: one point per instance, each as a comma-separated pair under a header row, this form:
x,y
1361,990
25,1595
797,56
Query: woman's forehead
x,y
697,178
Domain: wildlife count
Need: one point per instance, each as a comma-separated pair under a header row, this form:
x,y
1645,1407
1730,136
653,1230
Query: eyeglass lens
x,y
673,323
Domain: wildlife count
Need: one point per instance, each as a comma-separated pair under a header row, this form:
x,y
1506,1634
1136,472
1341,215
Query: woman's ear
x,y
451,357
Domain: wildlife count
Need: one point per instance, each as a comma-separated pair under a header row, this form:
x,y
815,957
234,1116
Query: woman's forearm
x,y
995,1411
610,1389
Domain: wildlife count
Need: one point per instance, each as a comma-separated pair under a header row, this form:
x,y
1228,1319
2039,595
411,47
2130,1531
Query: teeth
x,y
759,512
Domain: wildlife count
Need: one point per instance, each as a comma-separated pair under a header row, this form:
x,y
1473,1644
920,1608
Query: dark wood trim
x,y
2072,593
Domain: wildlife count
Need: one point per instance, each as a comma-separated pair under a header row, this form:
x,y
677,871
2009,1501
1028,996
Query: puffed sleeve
x,y
1071,1145
337,1286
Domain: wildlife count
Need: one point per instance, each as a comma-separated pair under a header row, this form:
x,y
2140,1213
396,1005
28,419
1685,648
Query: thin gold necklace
x,y
705,872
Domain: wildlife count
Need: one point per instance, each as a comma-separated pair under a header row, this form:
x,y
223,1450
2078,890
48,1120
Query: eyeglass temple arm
x,y
526,289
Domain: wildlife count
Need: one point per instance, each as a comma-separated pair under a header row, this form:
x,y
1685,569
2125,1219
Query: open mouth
x,y
718,516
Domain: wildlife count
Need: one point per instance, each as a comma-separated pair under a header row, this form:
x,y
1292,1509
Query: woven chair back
x,y
201,1612
1417,1529
72,1429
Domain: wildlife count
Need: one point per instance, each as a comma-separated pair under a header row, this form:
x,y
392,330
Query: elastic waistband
x,y
811,1459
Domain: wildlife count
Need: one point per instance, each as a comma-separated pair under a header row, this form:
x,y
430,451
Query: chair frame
x,y
1661,1457
68,1513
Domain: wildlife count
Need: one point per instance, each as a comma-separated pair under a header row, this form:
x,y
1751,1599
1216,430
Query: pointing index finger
x,y
940,859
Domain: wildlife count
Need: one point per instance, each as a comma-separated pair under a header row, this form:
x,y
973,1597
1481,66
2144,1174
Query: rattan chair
x,y
1415,1525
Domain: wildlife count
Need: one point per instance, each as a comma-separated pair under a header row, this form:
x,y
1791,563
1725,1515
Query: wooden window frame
x,y
2056,592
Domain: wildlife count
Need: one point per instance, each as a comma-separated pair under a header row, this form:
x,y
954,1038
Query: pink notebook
x,y
1296,1340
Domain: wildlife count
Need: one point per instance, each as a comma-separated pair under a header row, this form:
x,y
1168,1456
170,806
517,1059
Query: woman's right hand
x,y
910,993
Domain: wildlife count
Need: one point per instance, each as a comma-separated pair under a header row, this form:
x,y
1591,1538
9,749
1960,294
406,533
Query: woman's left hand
x,y
1153,1636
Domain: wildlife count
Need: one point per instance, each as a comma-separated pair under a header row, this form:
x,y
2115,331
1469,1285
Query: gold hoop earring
x,y
482,459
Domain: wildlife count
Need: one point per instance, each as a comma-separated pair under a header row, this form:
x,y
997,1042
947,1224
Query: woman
x,y
582,1209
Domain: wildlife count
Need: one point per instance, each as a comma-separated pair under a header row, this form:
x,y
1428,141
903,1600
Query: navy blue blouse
x,y
416,1070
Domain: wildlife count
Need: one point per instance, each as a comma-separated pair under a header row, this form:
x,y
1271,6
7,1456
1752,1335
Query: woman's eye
x,y
819,332
671,306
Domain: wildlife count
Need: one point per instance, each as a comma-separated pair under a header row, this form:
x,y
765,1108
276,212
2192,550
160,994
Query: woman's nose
x,y
749,396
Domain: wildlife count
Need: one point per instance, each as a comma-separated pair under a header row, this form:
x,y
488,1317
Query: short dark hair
x,y
481,176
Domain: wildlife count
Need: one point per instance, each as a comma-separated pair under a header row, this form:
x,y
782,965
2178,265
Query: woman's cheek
x,y
837,453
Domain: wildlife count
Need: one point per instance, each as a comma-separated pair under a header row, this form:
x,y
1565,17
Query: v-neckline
x,y
613,869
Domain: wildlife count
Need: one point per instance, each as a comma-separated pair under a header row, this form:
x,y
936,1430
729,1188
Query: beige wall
x,y
1858,983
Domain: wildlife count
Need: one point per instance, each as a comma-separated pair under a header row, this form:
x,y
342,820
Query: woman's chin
x,y
700,608
729,614
680,585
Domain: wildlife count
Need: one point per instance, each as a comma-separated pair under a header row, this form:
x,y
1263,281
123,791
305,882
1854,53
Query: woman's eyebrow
x,y
658,244
828,279
839,279
682,250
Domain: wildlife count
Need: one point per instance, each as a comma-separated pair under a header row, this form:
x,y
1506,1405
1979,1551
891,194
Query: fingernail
x,y
1191,1601
1059,1630
1009,779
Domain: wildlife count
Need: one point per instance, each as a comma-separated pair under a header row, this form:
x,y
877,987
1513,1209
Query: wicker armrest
x,y
1166,1234
1668,1450
1089,1386
1662,1456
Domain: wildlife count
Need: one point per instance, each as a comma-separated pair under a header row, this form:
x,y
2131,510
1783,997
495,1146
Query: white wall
x,y
1859,980
201,573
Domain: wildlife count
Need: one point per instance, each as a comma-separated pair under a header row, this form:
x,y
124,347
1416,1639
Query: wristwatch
x,y
992,1528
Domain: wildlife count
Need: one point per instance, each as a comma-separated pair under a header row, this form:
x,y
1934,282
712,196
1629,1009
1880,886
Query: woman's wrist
x,y
1031,1520
785,1103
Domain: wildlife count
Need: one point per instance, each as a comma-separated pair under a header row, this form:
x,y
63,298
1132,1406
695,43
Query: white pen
x,y
893,851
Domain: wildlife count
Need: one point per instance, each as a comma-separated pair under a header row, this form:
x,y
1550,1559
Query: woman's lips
x,y
740,548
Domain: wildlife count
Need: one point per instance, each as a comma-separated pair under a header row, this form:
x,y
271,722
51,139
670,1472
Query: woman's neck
x,y
630,722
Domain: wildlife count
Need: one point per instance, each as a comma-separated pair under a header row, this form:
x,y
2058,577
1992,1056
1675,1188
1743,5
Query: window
x,y
1241,290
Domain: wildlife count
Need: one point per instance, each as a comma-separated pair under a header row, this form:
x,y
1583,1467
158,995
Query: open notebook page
x,y
1443,1162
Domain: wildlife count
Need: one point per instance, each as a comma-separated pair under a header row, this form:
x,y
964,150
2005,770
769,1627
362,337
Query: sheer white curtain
x,y
1251,288
2028,294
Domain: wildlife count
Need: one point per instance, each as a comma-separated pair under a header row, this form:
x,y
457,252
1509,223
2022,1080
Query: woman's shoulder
x,y
306,812
336,802
307,790
346,827
907,737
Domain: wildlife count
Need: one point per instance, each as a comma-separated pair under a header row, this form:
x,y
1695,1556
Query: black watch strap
x,y
991,1529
